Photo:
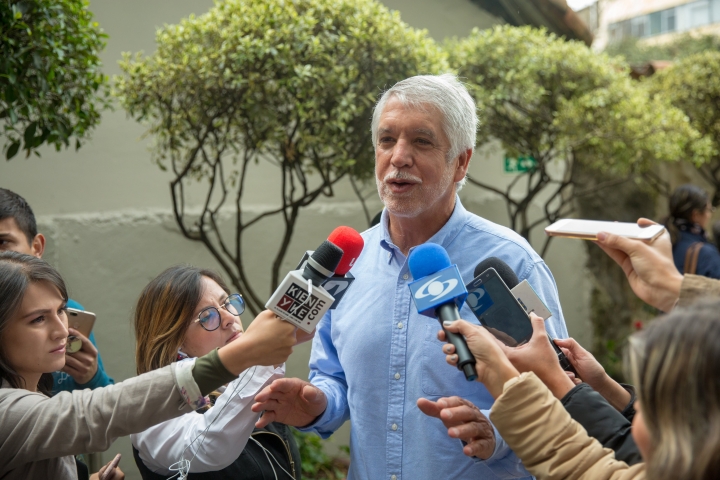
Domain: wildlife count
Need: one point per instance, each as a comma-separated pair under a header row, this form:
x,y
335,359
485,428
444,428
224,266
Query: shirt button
x,y
393,477
400,325
406,276
397,376
394,426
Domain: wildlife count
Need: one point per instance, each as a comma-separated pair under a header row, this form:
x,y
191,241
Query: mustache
x,y
400,175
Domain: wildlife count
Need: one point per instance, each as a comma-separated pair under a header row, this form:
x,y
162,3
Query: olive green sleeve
x,y
209,373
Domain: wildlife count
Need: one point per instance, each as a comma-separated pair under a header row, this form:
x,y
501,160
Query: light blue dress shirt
x,y
375,356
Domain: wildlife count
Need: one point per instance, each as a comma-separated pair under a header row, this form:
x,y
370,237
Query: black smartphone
x,y
498,310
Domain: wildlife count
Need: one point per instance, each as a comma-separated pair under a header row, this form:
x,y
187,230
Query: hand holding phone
x,y
497,309
588,229
111,470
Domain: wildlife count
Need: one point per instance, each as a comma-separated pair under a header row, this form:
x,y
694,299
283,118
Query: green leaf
x,y
30,134
12,149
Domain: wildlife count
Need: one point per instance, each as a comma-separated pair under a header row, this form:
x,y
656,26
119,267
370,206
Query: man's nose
x,y
402,155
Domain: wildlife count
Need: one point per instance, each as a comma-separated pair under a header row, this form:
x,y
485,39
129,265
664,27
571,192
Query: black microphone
x,y
511,280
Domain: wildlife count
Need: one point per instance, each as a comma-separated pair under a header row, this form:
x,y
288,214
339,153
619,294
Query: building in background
x,y
651,21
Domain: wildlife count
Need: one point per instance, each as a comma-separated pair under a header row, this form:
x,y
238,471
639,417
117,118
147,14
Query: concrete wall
x,y
106,209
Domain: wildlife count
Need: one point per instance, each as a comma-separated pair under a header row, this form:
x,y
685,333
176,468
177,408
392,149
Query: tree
x,y
556,101
291,83
693,85
51,86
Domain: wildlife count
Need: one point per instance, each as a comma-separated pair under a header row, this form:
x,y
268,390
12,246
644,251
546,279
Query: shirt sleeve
x,y
327,374
549,442
216,438
34,427
542,281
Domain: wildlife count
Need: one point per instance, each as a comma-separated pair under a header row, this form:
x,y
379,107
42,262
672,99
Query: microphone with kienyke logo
x,y
351,243
300,298
438,291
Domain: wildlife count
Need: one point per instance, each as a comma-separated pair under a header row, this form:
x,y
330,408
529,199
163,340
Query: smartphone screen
x,y
498,310
588,229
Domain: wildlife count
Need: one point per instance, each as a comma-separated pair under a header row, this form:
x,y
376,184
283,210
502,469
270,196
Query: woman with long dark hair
x,y
690,213
40,434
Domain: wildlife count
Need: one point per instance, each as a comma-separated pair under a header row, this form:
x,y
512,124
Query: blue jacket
x,y
708,264
64,382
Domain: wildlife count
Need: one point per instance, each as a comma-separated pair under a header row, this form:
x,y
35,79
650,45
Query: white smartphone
x,y
81,320
588,229
530,301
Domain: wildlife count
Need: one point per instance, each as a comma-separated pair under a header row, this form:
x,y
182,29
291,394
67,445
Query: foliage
x,y
548,98
636,51
51,87
289,82
693,85
316,464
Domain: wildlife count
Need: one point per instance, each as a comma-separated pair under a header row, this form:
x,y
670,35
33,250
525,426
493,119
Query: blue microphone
x,y
438,291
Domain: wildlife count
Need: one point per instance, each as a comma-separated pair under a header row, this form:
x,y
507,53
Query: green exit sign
x,y
519,164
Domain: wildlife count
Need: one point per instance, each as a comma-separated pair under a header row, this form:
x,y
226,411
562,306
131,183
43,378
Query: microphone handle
x,y
564,362
466,360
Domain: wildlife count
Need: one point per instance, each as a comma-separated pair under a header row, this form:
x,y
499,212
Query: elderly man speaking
x,y
375,360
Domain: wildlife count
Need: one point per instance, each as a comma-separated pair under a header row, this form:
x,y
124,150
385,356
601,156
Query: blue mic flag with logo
x,y
437,281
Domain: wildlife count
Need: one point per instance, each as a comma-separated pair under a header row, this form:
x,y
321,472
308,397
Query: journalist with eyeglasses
x,y
187,312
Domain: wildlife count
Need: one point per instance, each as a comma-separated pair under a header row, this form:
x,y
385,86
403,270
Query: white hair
x,y
446,94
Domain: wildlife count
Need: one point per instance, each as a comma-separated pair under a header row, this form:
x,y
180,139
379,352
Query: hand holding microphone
x,y
438,291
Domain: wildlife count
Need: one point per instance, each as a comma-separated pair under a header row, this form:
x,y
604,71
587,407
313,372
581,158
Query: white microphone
x,y
300,298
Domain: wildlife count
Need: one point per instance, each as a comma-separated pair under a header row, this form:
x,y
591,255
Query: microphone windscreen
x,y
427,259
351,243
503,269
328,255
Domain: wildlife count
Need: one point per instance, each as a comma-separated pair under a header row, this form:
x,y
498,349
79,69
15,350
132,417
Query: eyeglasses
x,y
209,317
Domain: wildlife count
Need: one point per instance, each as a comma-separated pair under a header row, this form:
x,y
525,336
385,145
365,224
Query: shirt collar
x,y
442,237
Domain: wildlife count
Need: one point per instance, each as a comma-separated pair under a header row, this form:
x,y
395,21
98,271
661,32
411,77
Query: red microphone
x,y
351,243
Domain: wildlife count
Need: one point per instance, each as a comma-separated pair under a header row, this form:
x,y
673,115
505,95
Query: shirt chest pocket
x,y
439,378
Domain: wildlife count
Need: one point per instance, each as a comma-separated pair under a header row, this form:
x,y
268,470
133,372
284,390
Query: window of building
x,y
699,13
668,20
640,27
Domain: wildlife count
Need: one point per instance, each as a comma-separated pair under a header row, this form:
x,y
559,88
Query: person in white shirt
x,y
185,313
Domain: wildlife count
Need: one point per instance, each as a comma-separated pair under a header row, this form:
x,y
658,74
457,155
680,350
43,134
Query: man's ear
x,y
38,245
463,164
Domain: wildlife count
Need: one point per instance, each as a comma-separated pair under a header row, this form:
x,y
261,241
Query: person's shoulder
x,y
19,397
482,231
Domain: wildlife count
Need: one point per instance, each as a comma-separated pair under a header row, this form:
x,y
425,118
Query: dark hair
x,y
17,272
14,206
674,364
685,200
163,313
